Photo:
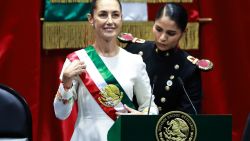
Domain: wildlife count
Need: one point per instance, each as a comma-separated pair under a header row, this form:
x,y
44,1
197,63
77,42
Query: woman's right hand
x,y
75,68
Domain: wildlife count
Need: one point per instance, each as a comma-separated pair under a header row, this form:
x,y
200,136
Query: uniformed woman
x,y
174,74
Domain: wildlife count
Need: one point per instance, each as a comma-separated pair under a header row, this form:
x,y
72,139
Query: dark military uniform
x,y
163,69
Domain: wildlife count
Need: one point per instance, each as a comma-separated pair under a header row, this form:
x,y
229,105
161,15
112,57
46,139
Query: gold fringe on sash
x,y
148,1
75,35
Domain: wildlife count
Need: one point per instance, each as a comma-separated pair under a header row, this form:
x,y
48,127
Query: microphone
x,y
152,91
190,101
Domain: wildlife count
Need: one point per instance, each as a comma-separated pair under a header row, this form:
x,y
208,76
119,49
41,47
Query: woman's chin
x,y
110,35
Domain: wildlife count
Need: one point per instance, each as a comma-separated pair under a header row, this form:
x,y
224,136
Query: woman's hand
x,y
75,68
130,111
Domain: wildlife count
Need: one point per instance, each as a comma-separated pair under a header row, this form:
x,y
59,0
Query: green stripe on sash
x,y
106,74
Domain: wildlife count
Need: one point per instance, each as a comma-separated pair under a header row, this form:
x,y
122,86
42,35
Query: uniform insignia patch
x,y
202,64
128,38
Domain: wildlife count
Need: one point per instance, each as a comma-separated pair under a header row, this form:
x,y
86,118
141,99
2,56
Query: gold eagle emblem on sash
x,y
110,95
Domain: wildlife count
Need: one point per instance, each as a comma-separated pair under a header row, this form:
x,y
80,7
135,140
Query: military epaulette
x,y
203,64
128,38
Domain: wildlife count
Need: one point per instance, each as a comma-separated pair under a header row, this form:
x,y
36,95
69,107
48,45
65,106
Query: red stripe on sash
x,y
93,89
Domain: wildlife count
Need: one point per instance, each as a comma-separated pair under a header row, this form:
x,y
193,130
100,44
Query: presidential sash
x,y
101,83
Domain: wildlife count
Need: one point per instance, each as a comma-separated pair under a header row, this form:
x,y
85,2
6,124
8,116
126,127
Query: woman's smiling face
x,y
107,19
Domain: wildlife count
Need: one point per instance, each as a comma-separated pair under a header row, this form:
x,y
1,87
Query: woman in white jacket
x,y
102,78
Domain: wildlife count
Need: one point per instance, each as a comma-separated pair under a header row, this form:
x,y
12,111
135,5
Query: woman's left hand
x,y
130,111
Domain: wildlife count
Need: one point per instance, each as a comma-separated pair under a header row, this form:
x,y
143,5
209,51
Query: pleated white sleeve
x,y
63,109
142,90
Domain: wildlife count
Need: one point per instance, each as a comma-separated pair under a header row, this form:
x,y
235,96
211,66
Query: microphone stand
x,y
190,101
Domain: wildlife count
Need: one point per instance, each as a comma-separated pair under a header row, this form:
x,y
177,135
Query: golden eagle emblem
x,y
176,126
110,95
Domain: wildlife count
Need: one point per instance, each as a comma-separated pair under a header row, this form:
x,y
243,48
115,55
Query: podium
x,y
143,128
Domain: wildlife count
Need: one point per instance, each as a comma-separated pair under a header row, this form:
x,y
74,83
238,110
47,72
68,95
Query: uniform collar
x,y
165,53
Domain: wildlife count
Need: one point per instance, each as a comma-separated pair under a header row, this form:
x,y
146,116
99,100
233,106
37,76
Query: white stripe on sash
x,y
95,75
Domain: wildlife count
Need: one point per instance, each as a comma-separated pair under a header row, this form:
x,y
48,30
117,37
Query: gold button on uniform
x,y
163,100
167,88
159,108
140,53
176,66
172,77
156,50
169,83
